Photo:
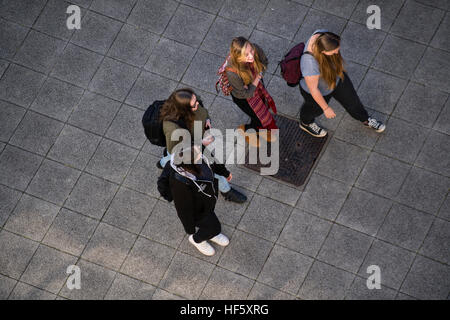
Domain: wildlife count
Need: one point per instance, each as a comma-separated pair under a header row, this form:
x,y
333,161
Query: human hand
x,y
329,113
230,177
208,124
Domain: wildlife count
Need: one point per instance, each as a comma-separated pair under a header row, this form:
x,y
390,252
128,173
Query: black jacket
x,y
194,197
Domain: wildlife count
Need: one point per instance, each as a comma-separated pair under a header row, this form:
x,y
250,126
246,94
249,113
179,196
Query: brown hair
x,y
178,106
331,66
237,59
185,159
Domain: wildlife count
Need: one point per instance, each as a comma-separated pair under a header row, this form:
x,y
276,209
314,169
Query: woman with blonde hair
x,y
244,68
324,77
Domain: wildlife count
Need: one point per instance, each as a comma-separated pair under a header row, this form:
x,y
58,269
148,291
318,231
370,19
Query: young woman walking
x,y
324,77
193,188
245,67
180,111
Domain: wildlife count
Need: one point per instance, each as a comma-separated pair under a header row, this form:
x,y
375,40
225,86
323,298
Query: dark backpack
x,y
290,65
152,126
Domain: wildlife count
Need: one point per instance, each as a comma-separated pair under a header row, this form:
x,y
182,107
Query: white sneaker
x,y
204,247
221,240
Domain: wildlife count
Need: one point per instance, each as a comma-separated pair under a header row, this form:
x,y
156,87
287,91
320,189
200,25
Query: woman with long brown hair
x,y
180,111
244,69
324,77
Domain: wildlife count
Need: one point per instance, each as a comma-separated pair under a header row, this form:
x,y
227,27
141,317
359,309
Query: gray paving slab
x,y
20,85
23,11
118,9
23,291
317,19
141,176
163,225
164,295
32,217
401,140
11,37
53,19
323,196
342,161
152,15
109,246
262,292
47,269
6,286
444,212
221,33
15,254
53,182
325,282
39,51
394,263
149,87
97,34
94,113
114,79
186,276
169,59
288,100
288,275
243,12
427,279
126,288
364,211
432,69
74,147
340,8
9,199
392,59
246,255
183,30
405,227
70,232
224,284
95,282
279,191
3,65
381,91
36,133
211,6
434,154
10,117
264,218
148,261
440,40
76,65
443,120
345,248
420,105
129,210
17,167
282,18
91,196
56,99
111,161
435,245
389,10
304,233
417,22
424,190
359,291
383,175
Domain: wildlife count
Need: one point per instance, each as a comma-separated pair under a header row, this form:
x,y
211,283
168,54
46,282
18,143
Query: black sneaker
x,y
234,196
313,129
378,126
158,165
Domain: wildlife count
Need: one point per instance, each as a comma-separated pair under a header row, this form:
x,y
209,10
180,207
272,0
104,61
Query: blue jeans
x,y
224,186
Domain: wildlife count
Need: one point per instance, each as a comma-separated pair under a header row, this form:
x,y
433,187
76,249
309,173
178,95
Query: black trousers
x,y
344,93
255,123
208,227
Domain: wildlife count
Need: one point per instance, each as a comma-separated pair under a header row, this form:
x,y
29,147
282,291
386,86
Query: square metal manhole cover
x,y
298,152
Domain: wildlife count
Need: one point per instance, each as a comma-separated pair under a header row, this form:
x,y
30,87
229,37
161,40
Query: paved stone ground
x,y
77,177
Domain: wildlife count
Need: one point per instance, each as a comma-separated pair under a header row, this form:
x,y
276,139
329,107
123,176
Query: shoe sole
x,y
314,135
